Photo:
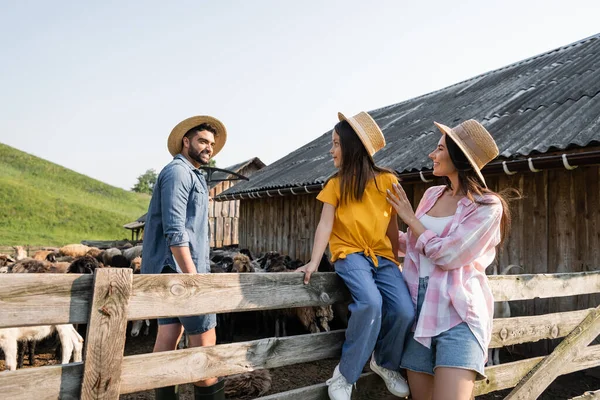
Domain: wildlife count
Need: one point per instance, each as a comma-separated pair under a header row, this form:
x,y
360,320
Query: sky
x,y
97,86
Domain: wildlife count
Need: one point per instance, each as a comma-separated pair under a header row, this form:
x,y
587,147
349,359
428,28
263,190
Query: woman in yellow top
x,y
362,231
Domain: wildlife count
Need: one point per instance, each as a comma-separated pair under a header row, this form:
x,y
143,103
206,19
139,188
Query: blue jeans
x,y
382,314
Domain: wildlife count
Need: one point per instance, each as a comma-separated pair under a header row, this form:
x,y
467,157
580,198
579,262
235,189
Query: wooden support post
x,y
106,335
542,375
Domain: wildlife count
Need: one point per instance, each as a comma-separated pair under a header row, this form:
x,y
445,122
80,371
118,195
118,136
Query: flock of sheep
x,y
81,259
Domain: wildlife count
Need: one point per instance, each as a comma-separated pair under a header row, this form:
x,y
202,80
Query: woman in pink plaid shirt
x,y
450,241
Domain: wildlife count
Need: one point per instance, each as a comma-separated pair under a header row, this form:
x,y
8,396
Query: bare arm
x,y
184,259
392,234
322,235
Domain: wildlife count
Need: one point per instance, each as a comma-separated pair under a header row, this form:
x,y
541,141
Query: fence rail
x,y
111,297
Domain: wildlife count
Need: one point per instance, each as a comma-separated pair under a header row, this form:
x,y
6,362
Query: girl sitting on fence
x,y
362,231
450,241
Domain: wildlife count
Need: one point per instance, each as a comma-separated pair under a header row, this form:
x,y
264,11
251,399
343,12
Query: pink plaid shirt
x,y
458,288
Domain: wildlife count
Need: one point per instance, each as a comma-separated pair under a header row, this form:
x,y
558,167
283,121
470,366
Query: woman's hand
x,y
308,269
400,203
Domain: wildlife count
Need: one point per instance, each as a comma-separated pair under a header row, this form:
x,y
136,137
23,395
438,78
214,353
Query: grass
x,y
42,203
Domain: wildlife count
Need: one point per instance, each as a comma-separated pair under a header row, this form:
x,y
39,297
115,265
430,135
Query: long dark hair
x,y
471,186
357,167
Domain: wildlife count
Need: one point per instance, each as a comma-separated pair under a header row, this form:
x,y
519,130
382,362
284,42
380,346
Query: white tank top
x,y
437,225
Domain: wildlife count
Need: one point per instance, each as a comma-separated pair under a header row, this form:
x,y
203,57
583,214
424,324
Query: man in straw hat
x,y
176,238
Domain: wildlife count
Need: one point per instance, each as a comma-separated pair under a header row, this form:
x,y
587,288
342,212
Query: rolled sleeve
x,y
175,191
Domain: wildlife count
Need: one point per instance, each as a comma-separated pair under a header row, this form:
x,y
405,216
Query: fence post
x,y
106,334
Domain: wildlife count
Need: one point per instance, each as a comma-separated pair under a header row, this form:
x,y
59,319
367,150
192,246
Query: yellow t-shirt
x,y
361,226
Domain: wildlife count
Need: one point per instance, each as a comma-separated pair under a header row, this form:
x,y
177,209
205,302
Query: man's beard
x,y
196,156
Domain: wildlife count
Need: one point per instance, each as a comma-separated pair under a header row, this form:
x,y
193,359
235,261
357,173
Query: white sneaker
x,y
394,382
339,388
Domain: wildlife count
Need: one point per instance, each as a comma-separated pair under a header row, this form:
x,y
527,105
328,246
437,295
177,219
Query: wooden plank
x,y
516,330
147,371
51,381
44,299
170,295
43,383
525,287
589,395
285,225
542,375
505,376
561,235
30,299
366,382
106,334
588,238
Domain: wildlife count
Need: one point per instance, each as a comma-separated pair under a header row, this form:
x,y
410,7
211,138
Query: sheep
x,y
71,341
84,265
41,255
108,255
248,385
242,263
5,259
136,265
95,252
501,310
74,250
132,253
119,261
20,253
136,327
29,265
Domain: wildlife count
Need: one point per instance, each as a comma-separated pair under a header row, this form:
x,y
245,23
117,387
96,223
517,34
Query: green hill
x,y
42,203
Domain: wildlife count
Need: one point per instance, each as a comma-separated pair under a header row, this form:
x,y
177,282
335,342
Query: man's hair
x,y
202,127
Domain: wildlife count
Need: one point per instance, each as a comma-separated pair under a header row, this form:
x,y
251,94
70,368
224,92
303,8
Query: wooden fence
x,y
107,300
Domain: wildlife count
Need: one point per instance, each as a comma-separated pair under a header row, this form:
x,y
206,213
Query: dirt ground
x,y
296,376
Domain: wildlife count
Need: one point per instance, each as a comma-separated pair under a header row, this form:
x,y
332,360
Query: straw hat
x,y
175,141
367,130
475,142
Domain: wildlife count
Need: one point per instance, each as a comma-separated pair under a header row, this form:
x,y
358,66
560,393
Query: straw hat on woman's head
x,y
175,141
367,130
475,142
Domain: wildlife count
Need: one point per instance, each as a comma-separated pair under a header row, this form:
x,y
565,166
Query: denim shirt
x,y
177,216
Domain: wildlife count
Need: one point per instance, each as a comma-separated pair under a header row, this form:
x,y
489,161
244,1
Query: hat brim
x,y
175,141
448,131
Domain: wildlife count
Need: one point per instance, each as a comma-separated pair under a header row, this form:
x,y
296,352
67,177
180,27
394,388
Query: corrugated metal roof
x,y
547,102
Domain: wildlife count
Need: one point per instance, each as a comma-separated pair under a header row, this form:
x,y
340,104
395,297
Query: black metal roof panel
x,y
547,102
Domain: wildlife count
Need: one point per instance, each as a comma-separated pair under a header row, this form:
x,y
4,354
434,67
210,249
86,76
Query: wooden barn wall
x,y
555,228
223,216
283,224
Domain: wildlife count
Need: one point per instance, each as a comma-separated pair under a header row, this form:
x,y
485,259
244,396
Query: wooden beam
x,y
516,330
106,334
147,371
589,395
171,295
43,383
64,381
542,375
33,299
366,382
527,287
505,376
44,299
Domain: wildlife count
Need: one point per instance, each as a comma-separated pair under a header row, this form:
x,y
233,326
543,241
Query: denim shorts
x,y
194,324
455,348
